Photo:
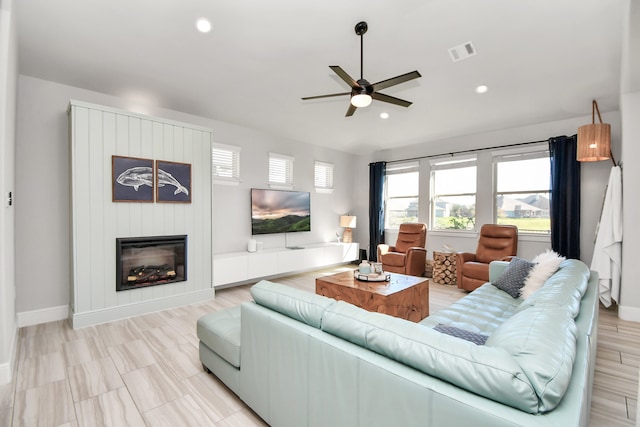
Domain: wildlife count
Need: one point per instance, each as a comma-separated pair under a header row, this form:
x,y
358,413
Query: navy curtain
x,y
376,207
565,196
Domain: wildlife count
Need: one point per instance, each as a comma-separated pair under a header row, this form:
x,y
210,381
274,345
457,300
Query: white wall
x,y
42,216
594,178
629,305
232,225
8,88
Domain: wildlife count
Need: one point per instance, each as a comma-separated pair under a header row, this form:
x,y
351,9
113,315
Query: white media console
x,y
239,267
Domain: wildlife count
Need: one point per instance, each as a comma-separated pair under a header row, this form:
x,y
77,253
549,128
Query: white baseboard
x,y
6,369
45,315
629,313
81,320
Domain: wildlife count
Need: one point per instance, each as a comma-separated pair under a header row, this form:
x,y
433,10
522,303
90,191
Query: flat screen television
x,y
280,211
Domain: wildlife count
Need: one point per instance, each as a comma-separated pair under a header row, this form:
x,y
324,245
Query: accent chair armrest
x,y
416,261
382,249
461,258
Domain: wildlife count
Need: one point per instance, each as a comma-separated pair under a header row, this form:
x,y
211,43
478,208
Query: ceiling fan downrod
x,y
361,28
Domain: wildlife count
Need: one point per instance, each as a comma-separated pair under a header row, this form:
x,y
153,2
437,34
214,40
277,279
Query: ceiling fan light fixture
x,y
361,100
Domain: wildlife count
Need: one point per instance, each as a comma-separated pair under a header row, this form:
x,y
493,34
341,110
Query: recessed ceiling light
x,y
482,89
203,25
384,115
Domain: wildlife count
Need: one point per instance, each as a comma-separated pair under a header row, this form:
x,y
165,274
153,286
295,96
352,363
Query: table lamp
x,y
347,222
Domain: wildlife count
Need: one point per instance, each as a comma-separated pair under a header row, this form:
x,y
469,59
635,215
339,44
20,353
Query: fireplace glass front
x,y
150,261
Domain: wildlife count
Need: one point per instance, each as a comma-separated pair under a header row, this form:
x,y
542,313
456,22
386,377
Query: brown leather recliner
x,y
409,255
496,242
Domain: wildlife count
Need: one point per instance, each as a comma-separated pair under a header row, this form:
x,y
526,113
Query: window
x,y
523,191
225,163
401,194
280,171
323,177
453,194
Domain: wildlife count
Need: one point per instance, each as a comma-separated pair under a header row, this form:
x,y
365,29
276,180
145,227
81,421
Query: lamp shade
x,y
594,142
347,221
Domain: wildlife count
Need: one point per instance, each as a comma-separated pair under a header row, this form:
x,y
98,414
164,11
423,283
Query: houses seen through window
x,y
523,191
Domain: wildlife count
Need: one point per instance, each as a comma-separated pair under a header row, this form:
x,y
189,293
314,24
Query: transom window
x,y
225,163
280,171
453,194
323,177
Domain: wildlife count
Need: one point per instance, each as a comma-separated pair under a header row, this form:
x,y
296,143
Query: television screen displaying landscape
x,y
280,211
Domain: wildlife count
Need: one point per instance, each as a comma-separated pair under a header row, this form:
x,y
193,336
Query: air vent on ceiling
x,y
463,51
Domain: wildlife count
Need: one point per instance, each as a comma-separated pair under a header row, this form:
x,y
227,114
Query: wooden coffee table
x,y
403,296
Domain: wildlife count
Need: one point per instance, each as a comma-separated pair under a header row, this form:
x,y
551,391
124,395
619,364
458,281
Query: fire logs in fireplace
x,y
151,273
149,261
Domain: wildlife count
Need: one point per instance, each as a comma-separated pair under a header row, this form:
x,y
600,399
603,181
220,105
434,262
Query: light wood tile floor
x,y
145,371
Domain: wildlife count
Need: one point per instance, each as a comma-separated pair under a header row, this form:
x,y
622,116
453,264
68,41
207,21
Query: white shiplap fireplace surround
x,y
96,134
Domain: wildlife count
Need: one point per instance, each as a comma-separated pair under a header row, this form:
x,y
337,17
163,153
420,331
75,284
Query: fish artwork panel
x,y
173,182
132,179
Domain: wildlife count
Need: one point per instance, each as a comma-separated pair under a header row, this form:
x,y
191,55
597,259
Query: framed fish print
x,y
173,182
131,179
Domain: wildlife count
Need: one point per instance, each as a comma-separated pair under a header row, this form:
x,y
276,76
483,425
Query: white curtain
x,y
607,254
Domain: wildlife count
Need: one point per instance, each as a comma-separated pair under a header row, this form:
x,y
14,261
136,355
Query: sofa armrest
x,y
496,268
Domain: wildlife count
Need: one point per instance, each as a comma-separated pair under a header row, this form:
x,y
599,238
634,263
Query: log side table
x,y
444,268
403,296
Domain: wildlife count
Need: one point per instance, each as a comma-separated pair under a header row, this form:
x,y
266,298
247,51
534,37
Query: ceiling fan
x,y
362,92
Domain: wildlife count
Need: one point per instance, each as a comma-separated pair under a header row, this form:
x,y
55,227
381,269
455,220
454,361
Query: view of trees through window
x,y
521,183
453,195
401,188
522,192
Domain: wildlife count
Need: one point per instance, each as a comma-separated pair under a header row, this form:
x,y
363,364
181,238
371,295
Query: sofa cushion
x,y
481,311
220,331
487,371
542,341
565,288
301,305
512,279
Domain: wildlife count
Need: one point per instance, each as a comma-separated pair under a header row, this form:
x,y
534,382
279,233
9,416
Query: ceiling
x,y
542,60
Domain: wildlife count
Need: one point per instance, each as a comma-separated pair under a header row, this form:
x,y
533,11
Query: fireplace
x,y
150,261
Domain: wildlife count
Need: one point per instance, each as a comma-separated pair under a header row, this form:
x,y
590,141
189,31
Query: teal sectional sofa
x,y
300,359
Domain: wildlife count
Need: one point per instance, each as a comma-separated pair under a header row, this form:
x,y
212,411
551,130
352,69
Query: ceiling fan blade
x,y
326,96
396,80
344,76
351,110
390,99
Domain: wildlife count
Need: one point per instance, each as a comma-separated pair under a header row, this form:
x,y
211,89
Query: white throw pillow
x,y
546,264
